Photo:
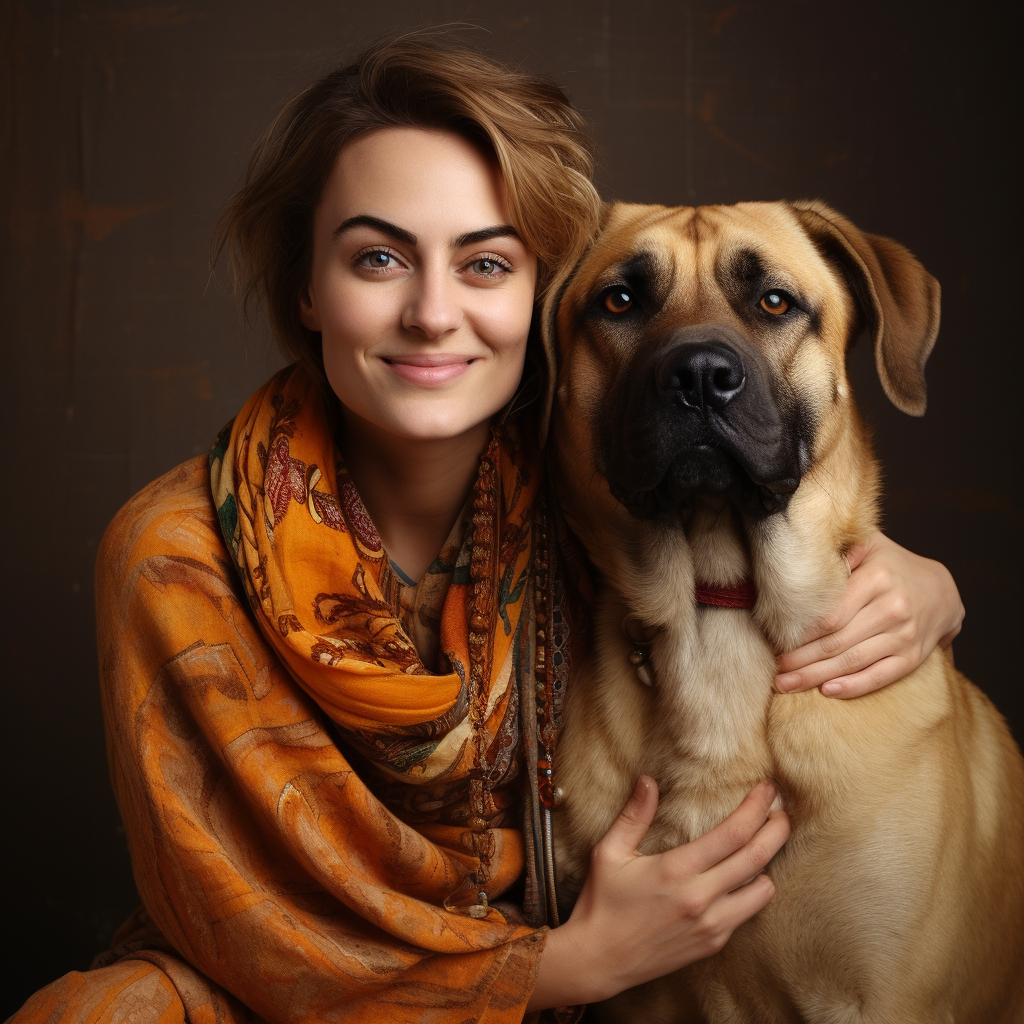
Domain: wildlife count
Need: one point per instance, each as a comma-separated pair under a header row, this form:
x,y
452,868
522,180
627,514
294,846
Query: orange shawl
x,y
243,681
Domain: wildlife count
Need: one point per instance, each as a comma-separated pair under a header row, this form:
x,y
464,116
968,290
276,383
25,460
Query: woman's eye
x,y
618,300
486,266
378,259
775,302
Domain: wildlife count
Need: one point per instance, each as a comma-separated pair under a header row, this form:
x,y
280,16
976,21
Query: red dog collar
x,y
742,595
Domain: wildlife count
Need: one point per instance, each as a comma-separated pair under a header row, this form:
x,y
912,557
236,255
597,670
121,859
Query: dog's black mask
x,y
700,414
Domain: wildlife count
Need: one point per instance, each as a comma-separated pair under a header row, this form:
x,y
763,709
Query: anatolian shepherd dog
x,y
706,441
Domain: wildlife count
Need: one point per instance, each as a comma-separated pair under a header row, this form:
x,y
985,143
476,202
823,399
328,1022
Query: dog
x,y
705,442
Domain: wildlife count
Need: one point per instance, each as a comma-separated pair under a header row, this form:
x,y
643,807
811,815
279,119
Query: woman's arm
x,y
896,608
640,917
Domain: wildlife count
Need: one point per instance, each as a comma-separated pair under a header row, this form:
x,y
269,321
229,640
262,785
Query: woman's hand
x,y
640,917
896,608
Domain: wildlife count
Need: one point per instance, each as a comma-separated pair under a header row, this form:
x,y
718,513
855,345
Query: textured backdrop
x,y
124,130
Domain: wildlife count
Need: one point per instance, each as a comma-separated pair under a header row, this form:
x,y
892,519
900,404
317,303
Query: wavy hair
x,y
420,80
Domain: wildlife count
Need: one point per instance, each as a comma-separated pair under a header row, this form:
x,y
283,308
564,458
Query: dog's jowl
x,y
706,441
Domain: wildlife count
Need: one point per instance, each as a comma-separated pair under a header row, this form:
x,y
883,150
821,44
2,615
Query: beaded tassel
x,y
551,665
482,572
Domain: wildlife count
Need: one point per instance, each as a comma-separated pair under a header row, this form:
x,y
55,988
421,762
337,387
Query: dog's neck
x,y
794,559
796,571
712,668
717,672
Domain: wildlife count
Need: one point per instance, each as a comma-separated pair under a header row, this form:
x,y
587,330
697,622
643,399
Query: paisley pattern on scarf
x,y
291,776
347,645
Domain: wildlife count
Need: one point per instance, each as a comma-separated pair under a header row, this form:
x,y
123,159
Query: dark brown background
x,y
126,127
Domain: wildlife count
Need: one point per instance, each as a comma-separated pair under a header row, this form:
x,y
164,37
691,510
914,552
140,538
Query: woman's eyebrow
x,y
485,235
387,228
365,220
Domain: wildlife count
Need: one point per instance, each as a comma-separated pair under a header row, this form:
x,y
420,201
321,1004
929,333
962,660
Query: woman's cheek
x,y
352,324
505,326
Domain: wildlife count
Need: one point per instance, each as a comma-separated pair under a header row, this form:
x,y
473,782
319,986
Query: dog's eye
x,y
775,302
618,300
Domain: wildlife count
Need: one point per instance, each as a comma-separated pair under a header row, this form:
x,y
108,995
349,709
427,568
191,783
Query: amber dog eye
x,y
618,300
774,302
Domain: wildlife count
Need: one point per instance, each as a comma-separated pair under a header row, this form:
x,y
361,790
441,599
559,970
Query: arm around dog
x,y
641,917
897,606
895,610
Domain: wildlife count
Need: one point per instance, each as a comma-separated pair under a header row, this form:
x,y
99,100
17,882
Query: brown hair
x,y
419,80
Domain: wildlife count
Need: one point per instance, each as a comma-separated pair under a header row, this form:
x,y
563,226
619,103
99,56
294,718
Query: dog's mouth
x,y
702,420
699,472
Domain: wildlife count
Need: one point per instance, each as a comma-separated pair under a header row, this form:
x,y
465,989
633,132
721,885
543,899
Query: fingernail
x,y
786,681
831,689
771,790
641,787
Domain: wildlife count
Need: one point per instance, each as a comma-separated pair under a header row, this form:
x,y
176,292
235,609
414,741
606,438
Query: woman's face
x,y
421,289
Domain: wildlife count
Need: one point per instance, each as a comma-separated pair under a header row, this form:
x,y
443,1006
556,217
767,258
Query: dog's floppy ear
x,y
548,330
897,297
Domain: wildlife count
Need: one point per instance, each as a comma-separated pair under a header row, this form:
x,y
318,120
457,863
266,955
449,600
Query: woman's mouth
x,y
429,370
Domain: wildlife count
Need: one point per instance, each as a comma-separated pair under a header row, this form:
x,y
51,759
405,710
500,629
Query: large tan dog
x,y
706,437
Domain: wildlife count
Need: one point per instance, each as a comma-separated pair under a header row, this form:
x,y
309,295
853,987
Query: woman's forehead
x,y
425,181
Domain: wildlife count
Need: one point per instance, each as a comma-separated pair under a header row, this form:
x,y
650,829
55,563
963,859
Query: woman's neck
x,y
413,490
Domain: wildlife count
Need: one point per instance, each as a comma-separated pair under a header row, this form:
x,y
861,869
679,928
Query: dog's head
x,y
701,351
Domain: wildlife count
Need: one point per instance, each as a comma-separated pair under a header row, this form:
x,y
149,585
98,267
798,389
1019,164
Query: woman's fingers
x,y
740,868
862,612
641,917
629,828
743,903
862,655
728,912
724,840
711,927
874,677
857,554
728,891
895,609
869,623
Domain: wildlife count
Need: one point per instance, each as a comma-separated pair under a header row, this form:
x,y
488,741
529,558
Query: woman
x,y
320,648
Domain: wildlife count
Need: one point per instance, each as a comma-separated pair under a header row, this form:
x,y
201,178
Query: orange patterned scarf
x,y
321,587
319,826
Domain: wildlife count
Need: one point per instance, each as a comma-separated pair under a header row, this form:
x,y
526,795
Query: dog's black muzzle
x,y
700,414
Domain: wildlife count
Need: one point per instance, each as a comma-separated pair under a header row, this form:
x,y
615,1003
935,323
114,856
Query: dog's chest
x,y
715,688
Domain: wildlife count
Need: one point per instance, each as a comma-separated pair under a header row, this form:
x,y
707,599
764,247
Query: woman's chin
x,y
416,425
440,428
439,420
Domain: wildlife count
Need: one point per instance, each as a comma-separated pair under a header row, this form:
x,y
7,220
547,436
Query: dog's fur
x,y
900,894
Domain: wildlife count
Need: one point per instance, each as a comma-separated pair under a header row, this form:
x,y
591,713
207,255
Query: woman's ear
x,y
308,315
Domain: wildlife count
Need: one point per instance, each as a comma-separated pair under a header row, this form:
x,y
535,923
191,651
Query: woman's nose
x,y
433,308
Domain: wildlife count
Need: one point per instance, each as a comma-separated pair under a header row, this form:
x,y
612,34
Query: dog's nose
x,y
702,374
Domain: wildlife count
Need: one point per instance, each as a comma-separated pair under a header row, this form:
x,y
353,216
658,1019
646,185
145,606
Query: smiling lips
x,y
429,370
